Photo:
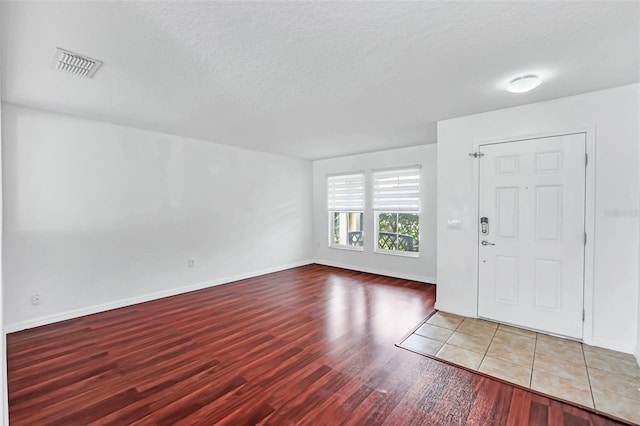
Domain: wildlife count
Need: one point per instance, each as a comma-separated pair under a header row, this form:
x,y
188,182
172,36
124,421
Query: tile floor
x,y
606,380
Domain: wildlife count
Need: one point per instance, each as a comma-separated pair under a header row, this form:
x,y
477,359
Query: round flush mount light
x,y
524,83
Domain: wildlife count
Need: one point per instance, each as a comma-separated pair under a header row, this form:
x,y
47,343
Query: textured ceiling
x,y
312,79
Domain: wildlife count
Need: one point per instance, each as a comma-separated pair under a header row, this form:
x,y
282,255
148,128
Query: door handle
x,y
487,243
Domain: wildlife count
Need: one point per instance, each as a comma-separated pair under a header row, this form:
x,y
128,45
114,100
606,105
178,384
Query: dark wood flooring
x,y
310,345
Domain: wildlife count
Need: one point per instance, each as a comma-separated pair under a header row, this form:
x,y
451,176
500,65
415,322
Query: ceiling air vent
x,y
74,63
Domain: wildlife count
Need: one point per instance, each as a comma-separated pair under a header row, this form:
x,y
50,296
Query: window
x,y
345,204
396,202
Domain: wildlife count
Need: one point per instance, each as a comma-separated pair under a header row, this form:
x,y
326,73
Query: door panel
x,y
533,194
507,279
507,165
507,214
549,212
548,281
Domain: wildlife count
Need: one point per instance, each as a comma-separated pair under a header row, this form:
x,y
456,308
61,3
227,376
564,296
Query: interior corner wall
x,y
614,115
422,268
99,215
4,400
638,311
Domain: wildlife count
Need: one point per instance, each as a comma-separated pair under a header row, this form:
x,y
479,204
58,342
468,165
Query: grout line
x,y
584,358
448,338
487,350
552,395
535,346
484,354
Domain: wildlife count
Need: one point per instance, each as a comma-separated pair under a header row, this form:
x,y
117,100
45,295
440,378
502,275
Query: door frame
x,y
589,218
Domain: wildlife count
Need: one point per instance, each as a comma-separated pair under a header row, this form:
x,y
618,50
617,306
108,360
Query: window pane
x,y
399,231
388,222
387,231
347,228
354,233
336,228
409,225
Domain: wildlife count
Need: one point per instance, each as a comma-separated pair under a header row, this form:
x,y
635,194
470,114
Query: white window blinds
x,y
397,190
345,192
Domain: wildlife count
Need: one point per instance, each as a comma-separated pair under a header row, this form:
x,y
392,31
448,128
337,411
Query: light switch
x,y
454,224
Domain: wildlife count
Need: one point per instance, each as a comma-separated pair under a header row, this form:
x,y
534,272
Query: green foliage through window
x,y
399,231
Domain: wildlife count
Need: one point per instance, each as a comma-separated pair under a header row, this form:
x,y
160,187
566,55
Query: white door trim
x,y
589,220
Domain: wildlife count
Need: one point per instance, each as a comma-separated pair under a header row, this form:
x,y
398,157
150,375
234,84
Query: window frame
x,y
349,206
379,250
333,245
378,210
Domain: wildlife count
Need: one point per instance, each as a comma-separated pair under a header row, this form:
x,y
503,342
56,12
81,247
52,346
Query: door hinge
x,y
585,238
586,159
583,315
476,154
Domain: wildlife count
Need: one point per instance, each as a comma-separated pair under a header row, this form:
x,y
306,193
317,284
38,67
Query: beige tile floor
x,y
606,380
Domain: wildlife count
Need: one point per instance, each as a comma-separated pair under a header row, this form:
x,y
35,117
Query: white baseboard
x,y
454,310
393,274
75,313
614,346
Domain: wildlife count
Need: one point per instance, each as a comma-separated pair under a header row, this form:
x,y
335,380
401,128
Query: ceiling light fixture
x,y
524,83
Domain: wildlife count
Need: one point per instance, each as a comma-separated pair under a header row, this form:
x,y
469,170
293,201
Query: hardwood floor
x,y
310,345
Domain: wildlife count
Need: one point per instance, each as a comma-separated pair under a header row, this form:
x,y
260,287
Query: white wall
x,y
99,215
422,268
638,311
4,401
614,113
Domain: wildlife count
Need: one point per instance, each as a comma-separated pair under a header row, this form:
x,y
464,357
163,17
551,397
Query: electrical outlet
x,y
35,299
192,262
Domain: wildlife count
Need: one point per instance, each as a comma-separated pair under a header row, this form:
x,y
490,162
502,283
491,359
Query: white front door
x,y
531,250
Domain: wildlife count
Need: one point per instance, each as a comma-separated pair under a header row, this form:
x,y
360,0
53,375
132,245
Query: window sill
x,y
412,254
349,248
